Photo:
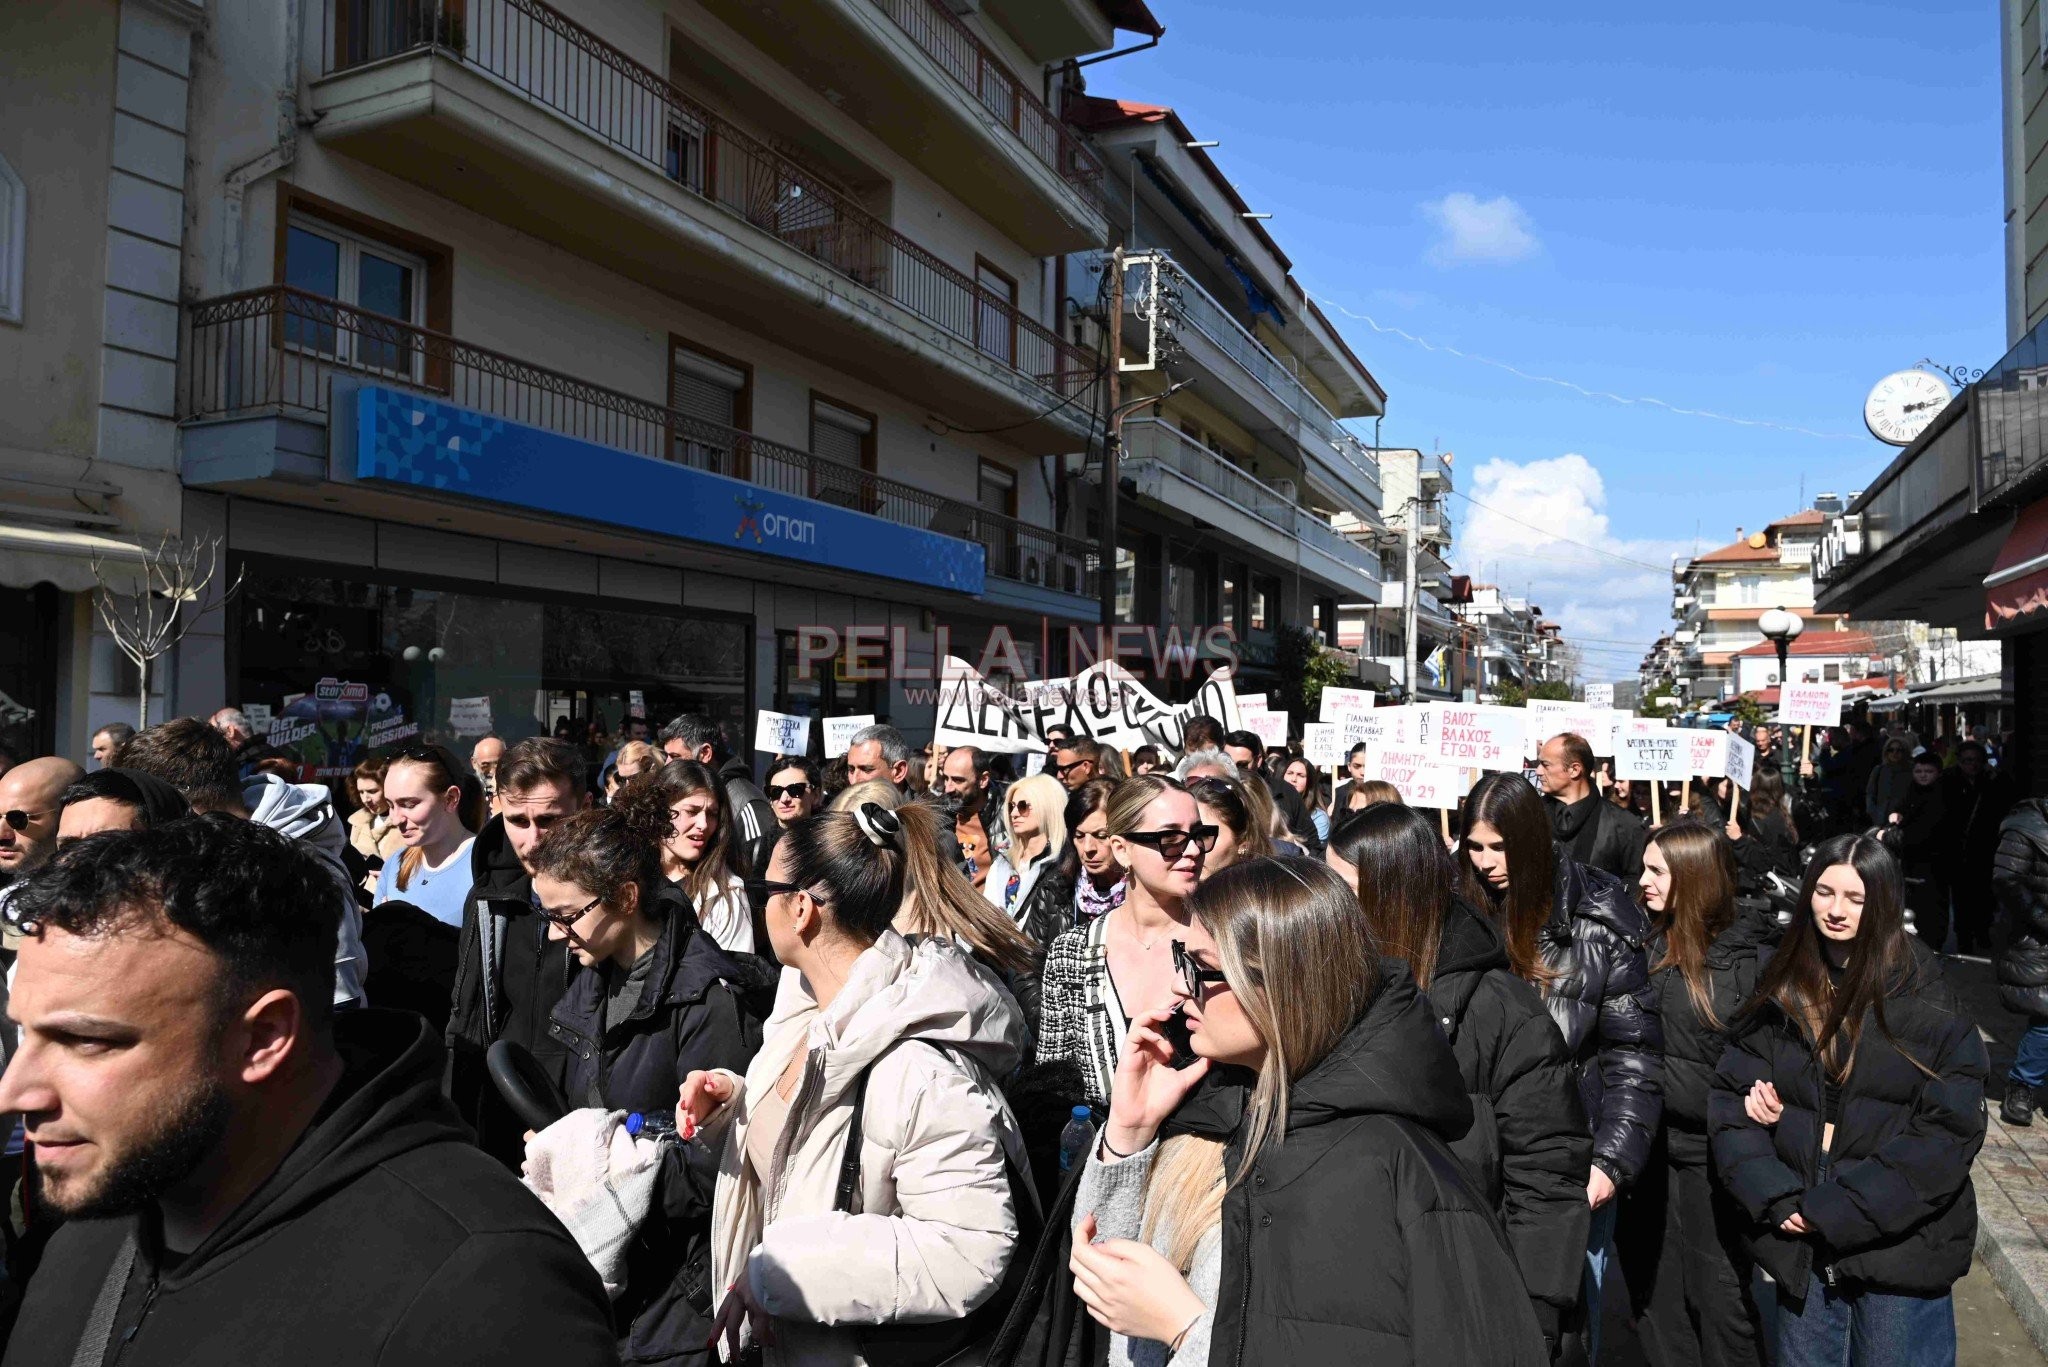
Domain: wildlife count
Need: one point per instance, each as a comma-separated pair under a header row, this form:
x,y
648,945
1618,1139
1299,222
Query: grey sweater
x,y
1114,1189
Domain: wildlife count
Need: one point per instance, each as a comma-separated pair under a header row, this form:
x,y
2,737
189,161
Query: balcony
x,y
1433,475
520,113
1433,520
1178,471
915,75
1235,371
279,352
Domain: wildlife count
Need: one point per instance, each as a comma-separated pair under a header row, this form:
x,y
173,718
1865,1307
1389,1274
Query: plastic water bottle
x,y
651,1125
1076,1139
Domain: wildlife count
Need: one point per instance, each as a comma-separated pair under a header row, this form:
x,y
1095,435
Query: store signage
x,y
423,443
1104,702
840,731
1471,736
779,733
1422,781
1810,704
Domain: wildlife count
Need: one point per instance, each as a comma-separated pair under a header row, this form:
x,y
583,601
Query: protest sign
x,y
1251,704
1600,695
1471,736
1661,755
1322,745
839,732
258,714
1383,725
469,716
1547,719
1706,753
1810,704
1741,761
1640,726
1421,779
1270,727
636,703
1104,702
779,733
1340,703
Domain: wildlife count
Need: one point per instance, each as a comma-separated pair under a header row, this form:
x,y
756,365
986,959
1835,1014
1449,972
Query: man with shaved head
x,y
31,796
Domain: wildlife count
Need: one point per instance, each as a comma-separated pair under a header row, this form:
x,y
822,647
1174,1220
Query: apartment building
x,y
1415,488
1230,485
658,354
92,159
1505,640
1717,598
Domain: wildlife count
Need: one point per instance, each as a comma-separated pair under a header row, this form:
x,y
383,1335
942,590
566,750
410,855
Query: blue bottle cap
x,y
635,1122
1083,1113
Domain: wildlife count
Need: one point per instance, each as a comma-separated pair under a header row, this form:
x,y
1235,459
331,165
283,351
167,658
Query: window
x,y
383,289
13,242
1831,673
1227,614
717,391
841,437
997,493
1261,613
995,319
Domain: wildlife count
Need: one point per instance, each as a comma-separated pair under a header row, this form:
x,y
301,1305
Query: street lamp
x,y
1781,628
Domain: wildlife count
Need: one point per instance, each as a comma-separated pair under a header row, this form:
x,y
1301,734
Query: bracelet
x,y
1112,1149
1173,1346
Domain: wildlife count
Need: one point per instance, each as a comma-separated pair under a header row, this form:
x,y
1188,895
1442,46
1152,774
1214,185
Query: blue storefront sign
x,y
408,439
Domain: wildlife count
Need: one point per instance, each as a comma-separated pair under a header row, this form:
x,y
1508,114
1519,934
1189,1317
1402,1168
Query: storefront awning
x,y
60,556
2016,590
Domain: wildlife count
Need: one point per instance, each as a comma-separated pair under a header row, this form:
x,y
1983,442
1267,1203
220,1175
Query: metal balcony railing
x,y
278,349
550,59
1151,439
962,56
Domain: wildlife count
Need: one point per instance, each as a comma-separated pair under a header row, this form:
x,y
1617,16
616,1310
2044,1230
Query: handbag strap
x,y
849,1166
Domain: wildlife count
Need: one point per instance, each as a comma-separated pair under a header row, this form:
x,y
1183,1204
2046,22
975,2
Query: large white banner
x,y
1104,702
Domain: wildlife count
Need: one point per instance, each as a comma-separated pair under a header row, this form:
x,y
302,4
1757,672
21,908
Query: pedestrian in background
x,y
2019,940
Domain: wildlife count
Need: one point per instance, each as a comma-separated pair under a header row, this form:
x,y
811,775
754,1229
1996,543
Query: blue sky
x,y
1752,209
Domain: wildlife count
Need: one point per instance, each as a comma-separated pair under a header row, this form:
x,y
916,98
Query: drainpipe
x,y
234,188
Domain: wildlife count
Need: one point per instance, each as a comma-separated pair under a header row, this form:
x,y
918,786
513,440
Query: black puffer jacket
x,y
1599,834
1897,1213
2019,880
689,1016
1593,945
1360,1238
1692,1046
528,975
1529,1148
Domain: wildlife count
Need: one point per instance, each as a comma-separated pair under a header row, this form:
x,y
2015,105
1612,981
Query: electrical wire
x,y
1582,545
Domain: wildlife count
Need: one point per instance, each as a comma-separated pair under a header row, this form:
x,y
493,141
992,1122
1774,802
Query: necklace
x,y
1132,931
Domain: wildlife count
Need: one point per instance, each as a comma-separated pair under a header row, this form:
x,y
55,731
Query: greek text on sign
x,y
839,732
1104,702
779,733
1661,756
1706,753
1741,761
1321,744
1339,703
1270,727
1382,726
1471,736
1810,704
1600,695
1251,704
468,716
1421,780
1547,719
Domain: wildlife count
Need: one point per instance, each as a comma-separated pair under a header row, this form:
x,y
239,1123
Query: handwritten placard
x,y
1270,727
1741,761
1421,779
1592,724
1399,726
1706,753
779,733
1471,736
1340,703
469,716
1661,755
1810,704
1322,744
1600,695
840,731
1251,704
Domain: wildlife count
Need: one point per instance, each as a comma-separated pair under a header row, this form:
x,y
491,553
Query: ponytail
x,y
938,899
443,773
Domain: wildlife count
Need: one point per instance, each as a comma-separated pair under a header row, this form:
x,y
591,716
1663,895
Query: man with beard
x,y
976,806
246,1175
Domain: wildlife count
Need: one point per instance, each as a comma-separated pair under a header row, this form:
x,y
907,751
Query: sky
x,y
1747,210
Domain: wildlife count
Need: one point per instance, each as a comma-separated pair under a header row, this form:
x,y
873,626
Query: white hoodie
x,y
305,812
936,1229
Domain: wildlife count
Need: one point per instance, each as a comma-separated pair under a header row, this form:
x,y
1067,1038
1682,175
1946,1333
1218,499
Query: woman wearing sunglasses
x,y
793,789
1028,880
1315,1215
657,1002
867,1208
1102,976
1230,807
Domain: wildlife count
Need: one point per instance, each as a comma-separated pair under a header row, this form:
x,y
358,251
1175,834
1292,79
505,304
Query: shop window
x,y
380,285
1126,583
717,391
13,242
1187,590
820,688
995,318
843,439
1265,613
1227,614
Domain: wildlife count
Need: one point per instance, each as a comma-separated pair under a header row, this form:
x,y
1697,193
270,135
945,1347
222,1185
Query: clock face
x,y
1902,404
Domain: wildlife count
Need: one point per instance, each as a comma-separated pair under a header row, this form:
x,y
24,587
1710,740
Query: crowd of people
x,y
947,1056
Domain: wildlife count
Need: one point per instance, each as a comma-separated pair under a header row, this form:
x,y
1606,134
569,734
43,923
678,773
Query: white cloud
x,y
1532,527
1474,231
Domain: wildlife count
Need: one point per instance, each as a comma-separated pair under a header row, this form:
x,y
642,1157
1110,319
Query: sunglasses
x,y
777,792
1172,844
1062,770
20,820
1021,807
759,890
1193,976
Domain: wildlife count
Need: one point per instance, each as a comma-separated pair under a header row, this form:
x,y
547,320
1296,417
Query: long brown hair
x,y
1232,801
1507,803
1406,880
1700,905
709,885
604,850
1796,980
443,773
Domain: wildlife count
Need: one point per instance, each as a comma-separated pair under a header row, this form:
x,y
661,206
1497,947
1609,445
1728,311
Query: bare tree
x,y
151,613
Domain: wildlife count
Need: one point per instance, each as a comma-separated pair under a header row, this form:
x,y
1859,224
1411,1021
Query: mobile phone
x,y
1175,1029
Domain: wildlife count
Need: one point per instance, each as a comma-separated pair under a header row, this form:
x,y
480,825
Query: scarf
x,y
1090,905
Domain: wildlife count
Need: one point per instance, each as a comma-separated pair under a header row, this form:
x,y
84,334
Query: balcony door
x,y
380,292
714,394
998,495
843,441
995,313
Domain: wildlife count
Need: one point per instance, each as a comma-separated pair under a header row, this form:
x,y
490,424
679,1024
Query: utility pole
x,y
1113,440
1408,594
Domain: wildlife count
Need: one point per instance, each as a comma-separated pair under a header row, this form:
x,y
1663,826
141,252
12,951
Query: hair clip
x,y
880,825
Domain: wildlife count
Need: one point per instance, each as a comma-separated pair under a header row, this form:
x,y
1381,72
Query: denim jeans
x,y
1865,1329
1599,1248
2030,1062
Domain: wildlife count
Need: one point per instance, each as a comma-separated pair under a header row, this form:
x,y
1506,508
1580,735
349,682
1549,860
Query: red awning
x,y
2016,590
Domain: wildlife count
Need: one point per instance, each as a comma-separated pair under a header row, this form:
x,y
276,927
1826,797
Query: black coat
x,y
530,973
2019,880
753,816
1594,947
1529,1148
1361,1238
1897,1213
384,1237
1599,835
1692,1046
1048,912
690,1015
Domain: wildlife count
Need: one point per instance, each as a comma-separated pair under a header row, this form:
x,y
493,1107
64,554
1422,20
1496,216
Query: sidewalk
x,y
2012,1171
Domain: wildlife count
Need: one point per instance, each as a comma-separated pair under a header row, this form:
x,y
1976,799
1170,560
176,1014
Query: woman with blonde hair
x,y
635,757
1027,880
1320,1204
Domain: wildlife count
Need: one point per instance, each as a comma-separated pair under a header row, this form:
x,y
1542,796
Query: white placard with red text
x,y
1270,727
1546,719
1706,753
1251,704
1810,704
1422,780
1342,703
1475,736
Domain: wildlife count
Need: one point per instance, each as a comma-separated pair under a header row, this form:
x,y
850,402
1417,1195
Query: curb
x,y
2013,1247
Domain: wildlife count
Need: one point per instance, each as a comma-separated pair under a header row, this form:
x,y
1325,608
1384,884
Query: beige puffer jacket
x,y
936,1230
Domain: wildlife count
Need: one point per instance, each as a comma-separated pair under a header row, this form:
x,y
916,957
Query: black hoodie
x,y
383,1237
1529,1147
